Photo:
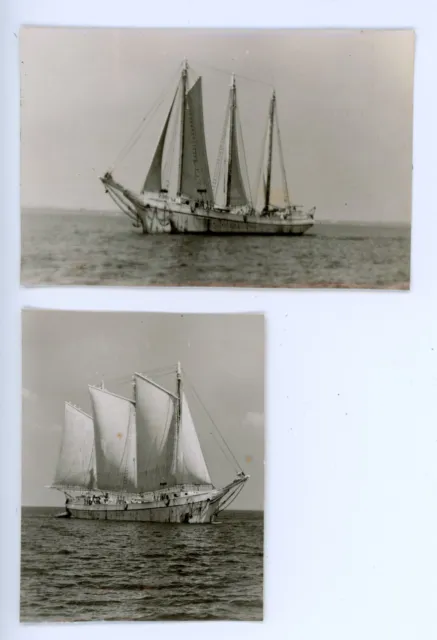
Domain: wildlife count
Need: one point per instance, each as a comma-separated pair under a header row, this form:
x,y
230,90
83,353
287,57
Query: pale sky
x,y
345,105
223,356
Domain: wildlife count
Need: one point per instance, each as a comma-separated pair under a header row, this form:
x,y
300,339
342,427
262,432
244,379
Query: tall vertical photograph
x,y
142,466
216,157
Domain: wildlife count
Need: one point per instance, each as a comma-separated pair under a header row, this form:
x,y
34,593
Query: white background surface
x,y
351,421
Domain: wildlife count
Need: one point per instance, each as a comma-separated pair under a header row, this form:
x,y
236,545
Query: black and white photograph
x,y
142,466
216,157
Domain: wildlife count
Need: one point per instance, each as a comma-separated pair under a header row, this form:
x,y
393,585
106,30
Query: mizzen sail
x,y
77,462
114,423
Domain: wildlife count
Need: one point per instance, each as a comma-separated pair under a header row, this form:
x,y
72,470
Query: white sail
x,y
191,466
156,423
114,423
77,463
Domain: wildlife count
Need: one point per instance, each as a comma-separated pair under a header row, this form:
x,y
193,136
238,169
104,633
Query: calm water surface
x,y
104,249
78,570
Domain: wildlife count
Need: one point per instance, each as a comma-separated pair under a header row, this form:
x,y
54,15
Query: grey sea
x,y
79,570
90,248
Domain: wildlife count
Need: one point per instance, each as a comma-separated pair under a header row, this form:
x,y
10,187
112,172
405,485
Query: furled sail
x,y
156,424
77,462
115,442
195,176
191,466
153,181
237,192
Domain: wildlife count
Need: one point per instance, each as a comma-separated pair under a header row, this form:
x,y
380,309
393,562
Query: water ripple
x,y
92,249
79,571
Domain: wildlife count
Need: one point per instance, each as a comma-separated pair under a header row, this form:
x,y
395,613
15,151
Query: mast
x,y
270,150
178,417
232,105
182,133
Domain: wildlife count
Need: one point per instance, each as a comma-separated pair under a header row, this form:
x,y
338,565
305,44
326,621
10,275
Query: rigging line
x,y
160,370
260,166
226,455
121,379
127,210
170,152
137,137
168,420
160,374
281,159
237,75
157,370
230,499
133,139
152,109
240,132
124,457
192,72
212,421
137,133
90,463
231,462
220,164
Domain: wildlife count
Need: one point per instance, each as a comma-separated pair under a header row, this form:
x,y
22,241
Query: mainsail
x,y
77,462
168,447
196,180
237,192
114,423
156,426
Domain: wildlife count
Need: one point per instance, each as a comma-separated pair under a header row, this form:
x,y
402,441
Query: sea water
x,y
83,570
105,249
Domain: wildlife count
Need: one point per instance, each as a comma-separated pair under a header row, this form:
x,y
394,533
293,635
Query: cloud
x,y
254,420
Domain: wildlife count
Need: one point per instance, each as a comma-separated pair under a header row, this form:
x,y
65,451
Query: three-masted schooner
x,y
195,207
138,459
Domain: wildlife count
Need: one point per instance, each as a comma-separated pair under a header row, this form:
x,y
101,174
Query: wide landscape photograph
x,y
214,157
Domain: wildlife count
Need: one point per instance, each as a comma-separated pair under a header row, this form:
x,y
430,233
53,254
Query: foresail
x,y
196,179
191,465
77,463
114,423
156,423
153,181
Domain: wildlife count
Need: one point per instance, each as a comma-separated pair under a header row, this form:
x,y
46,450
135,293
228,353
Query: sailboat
x,y
138,459
197,204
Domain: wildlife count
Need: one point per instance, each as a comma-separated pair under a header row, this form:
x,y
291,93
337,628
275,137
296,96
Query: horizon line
x,y
51,506
115,212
